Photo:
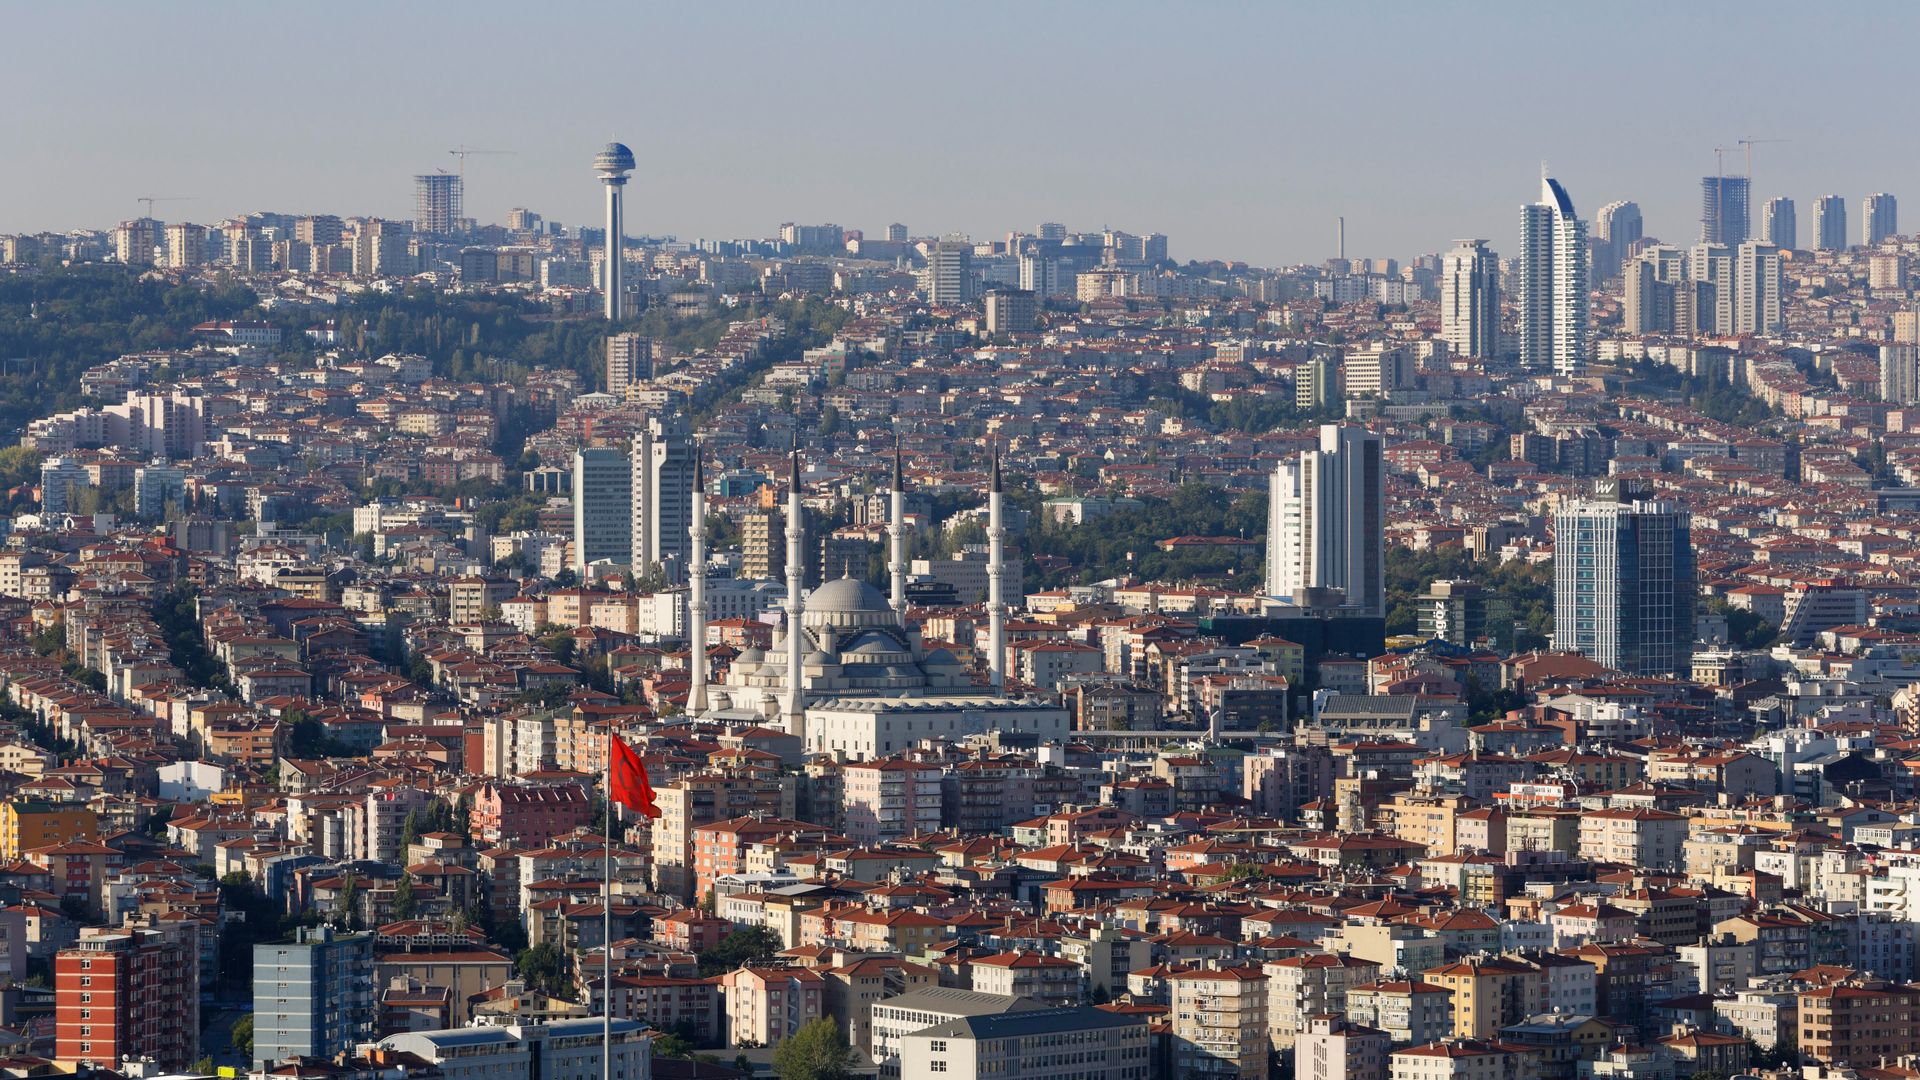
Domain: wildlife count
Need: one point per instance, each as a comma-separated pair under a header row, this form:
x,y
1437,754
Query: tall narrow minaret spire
x,y
796,705
697,589
996,598
897,536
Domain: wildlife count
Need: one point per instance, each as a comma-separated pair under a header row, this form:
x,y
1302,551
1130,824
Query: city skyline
x,y
1258,178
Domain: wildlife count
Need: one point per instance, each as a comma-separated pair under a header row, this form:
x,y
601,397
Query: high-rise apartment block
x,y
1879,218
1470,300
137,242
186,245
1325,527
1651,282
1830,223
1553,283
629,361
437,203
950,272
1616,229
602,507
1900,374
156,485
762,558
1316,383
1623,567
1219,1024
1010,311
1778,224
1710,289
312,997
661,494
128,993
1723,210
60,479
1757,272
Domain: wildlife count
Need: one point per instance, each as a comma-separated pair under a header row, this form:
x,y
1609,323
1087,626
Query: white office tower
x,y
1553,283
1616,228
613,163
897,539
662,462
1757,273
1880,218
1830,223
1778,224
697,593
1470,300
1325,524
1899,374
996,598
602,507
796,703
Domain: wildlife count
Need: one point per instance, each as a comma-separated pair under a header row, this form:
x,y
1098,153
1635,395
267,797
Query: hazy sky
x,y
1240,130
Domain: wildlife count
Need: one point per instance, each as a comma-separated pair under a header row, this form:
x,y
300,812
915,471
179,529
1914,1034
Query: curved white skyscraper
x,y
1553,283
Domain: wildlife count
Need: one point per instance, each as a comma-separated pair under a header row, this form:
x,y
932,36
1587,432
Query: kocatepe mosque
x,y
870,686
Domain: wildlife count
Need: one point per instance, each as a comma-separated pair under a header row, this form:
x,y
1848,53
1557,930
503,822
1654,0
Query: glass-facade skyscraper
x,y
1623,580
1724,213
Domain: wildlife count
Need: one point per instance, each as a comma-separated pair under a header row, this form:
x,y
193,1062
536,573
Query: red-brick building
x,y
128,993
527,815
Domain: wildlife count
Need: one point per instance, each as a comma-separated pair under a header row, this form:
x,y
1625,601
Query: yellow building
x,y
28,825
1489,993
1425,819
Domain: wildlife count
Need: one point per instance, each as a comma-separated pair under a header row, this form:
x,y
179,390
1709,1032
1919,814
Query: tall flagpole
x,y
606,922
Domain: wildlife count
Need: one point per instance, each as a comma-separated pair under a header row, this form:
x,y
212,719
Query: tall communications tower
x,y
613,164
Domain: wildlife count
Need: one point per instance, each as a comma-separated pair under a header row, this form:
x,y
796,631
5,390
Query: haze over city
x,y
1241,131
1066,541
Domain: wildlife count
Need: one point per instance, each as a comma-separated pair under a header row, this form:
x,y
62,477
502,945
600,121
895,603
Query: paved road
x,y
216,1038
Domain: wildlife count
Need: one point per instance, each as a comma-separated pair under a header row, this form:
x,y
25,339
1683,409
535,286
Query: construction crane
x,y
1750,143
151,199
463,152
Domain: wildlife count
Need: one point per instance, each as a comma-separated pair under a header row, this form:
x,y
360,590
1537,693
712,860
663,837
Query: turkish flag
x,y
628,785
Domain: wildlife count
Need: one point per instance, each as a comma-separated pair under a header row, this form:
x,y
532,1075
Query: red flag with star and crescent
x,y
628,784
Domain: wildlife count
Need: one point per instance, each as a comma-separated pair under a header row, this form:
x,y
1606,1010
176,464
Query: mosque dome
x,y
846,595
847,604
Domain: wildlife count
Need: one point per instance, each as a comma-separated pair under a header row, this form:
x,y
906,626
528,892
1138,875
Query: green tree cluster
x,y
1100,548
1517,593
56,324
818,1051
737,948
